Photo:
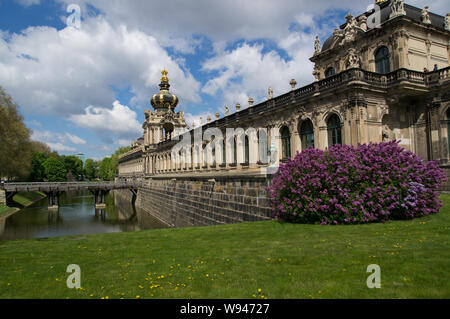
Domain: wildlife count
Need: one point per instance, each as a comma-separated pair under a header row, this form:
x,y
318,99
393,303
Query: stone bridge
x,y
54,189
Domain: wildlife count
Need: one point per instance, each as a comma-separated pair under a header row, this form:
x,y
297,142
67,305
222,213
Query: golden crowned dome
x,y
164,100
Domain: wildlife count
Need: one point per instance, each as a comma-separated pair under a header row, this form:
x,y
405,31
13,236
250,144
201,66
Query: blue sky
x,y
85,89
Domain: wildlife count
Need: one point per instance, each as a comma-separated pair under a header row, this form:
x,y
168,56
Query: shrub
x,y
347,185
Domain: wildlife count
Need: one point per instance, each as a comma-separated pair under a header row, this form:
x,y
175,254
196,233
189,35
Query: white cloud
x,y
61,72
119,122
190,118
247,71
60,147
27,3
123,142
54,137
176,21
75,139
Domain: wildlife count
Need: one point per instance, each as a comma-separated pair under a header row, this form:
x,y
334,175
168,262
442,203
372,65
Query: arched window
x,y
224,152
448,129
246,151
285,143
307,134
262,145
334,130
235,150
382,64
329,72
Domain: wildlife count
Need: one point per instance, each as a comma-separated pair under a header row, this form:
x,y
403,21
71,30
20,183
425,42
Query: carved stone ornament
x,y
447,22
316,73
317,45
397,8
352,60
350,29
425,16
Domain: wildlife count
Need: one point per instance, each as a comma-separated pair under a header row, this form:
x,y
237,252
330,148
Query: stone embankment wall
x,y
196,201
2,197
446,186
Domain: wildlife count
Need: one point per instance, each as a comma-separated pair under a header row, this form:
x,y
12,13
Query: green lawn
x,y
27,198
5,209
236,261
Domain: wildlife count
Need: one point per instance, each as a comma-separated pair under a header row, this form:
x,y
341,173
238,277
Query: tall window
x,y
235,151
382,64
224,152
307,134
334,130
246,152
330,72
285,143
448,130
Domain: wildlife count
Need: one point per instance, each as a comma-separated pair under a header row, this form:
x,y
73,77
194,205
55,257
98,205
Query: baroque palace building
x,y
382,75
372,84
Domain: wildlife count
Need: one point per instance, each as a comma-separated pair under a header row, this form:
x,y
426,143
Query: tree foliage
x,y
54,169
15,155
91,168
74,166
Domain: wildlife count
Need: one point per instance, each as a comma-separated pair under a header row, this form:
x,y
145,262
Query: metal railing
x,y
68,185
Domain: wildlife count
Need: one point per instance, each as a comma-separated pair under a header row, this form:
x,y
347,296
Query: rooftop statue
x,y
426,16
317,45
397,8
447,22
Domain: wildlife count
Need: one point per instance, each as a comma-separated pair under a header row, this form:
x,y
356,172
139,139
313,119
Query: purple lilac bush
x,y
347,185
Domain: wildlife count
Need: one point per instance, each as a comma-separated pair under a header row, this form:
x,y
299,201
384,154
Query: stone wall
x,y
196,201
446,187
2,197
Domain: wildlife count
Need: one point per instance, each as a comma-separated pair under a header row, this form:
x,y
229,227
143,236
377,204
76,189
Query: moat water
x,y
76,216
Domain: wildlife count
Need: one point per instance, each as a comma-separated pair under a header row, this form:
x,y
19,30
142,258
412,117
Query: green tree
x,y
37,173
39,154
105,169
55,170
15,159
91,168
115,161
74,165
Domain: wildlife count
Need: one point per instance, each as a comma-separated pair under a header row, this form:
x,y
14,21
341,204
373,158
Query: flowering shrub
x,y
347,185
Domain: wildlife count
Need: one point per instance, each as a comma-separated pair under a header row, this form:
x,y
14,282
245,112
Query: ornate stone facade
x,y
371,87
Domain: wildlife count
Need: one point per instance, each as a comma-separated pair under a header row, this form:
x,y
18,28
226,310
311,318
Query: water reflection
x,y
76,216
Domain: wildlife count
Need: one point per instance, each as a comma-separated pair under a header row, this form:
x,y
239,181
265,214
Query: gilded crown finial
x,y
164,75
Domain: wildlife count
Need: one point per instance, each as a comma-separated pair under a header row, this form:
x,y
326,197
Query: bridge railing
x,y
13,186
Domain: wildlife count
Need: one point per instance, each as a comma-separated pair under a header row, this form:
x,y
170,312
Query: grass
x,y
6,210
248,260
27,198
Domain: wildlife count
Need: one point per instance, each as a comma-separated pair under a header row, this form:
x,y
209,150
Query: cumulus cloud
x,y
57,141
61,72
60,147
123,142
75,139
27,3
120,122
176,21
247,71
